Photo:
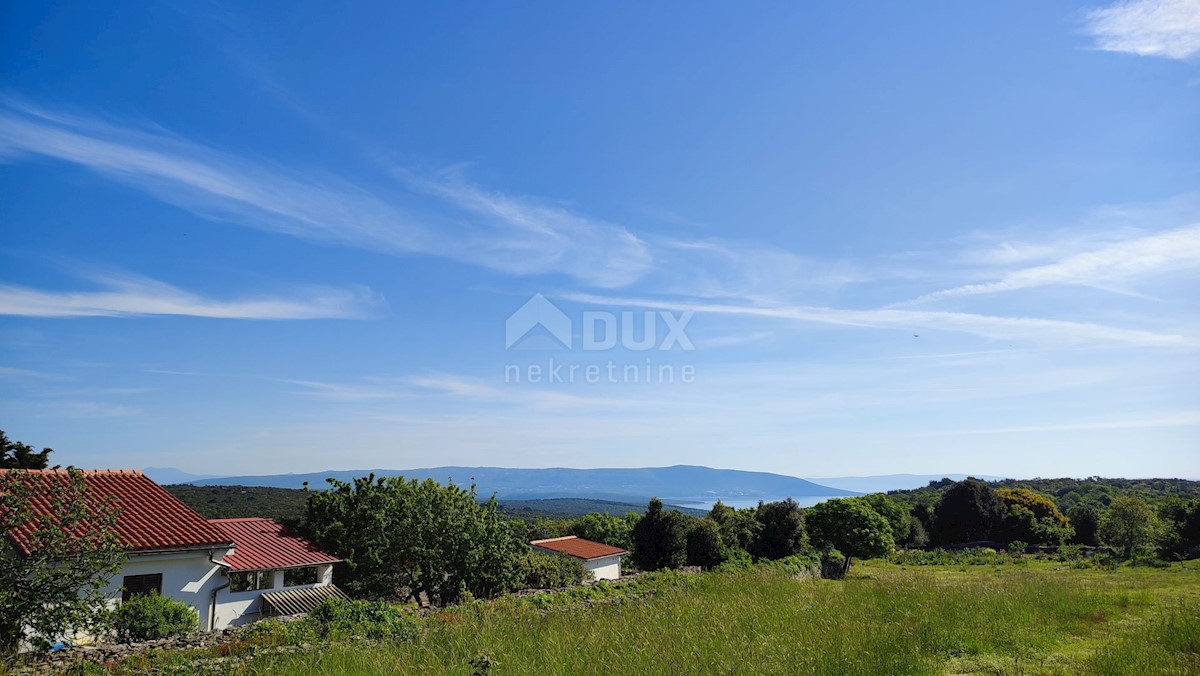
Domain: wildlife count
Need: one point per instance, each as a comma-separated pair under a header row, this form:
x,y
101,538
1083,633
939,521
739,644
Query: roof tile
x,y
577,547
262,544
150,518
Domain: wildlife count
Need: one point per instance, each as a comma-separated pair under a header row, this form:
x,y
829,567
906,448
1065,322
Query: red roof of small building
x,y
578,547
261,544
149,519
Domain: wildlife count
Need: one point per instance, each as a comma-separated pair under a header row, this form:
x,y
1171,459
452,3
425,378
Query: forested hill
x,y
622,484
286,505
1068,493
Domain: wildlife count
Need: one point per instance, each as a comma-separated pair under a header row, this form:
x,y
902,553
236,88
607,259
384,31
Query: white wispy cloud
x,y
506,233
1163,28
526,235
139,296
456,386
1102,268
1035,330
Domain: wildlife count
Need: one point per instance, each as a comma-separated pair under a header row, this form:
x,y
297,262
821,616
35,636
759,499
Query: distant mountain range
x,y
892,482
680,482
170,475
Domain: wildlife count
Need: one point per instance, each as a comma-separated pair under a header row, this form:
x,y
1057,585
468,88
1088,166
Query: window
x,y
296,576
250,580
138,585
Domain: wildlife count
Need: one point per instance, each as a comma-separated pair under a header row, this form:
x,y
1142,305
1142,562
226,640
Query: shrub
x,y
150,616
735,558
553,571
1017,547
339,618
833,565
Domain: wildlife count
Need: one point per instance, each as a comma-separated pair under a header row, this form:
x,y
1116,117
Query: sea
x,y
706,502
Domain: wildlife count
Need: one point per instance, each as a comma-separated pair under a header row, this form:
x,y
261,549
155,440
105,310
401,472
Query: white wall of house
x,y
238,608
191,578
605,567
186,576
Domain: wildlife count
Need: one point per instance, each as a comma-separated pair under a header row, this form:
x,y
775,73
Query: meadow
x,y
1035,617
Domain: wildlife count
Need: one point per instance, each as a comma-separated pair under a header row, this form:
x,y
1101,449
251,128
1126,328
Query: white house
x,y
603,561
225,569
270,572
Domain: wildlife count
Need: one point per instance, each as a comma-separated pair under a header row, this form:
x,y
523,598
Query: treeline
x,y
1067,493
428,541
1158,516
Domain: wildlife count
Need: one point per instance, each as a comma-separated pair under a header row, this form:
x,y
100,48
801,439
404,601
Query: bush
x,y
553,571
735,558
150,616
339,618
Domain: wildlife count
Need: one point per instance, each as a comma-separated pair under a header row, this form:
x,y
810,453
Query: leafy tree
x,y
1181,519
897,516
1129,523
968,511
704,546
16,455
660,538
54,586
739,527
917,536
781,529
852,527
606,528
1085,519
1031,517
411,537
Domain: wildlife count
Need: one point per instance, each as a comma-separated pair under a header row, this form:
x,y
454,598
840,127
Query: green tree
x,y
1129,523
16,455
781,531
852,527
898,518
1032,518
1085,520
968,511
660,538
739,527
606,528
1181,520
411,537
52,577
704,546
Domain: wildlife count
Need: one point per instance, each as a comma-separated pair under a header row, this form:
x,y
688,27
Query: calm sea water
x,y
707,503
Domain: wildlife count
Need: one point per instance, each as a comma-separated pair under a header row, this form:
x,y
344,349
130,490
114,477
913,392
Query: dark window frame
x,y
251,580
139,585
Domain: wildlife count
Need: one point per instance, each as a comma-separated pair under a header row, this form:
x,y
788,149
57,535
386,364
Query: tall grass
x,y
884,620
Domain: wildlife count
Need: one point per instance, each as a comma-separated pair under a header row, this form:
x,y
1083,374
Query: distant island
x,y
679,483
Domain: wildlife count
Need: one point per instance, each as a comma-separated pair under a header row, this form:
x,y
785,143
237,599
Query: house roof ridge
x,y
557,539
233,519
85,472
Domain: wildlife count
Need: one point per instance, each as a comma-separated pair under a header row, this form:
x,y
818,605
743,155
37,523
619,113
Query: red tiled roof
x,y
150,518
577,547
260,544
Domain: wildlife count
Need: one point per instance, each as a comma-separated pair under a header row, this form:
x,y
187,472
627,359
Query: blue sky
x,y
943,237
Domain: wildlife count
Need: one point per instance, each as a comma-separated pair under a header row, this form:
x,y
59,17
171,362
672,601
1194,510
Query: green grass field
x,y
1040,618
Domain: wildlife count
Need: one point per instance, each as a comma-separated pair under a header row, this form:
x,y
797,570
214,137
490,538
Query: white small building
x,y
271,571
231,571
603,561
